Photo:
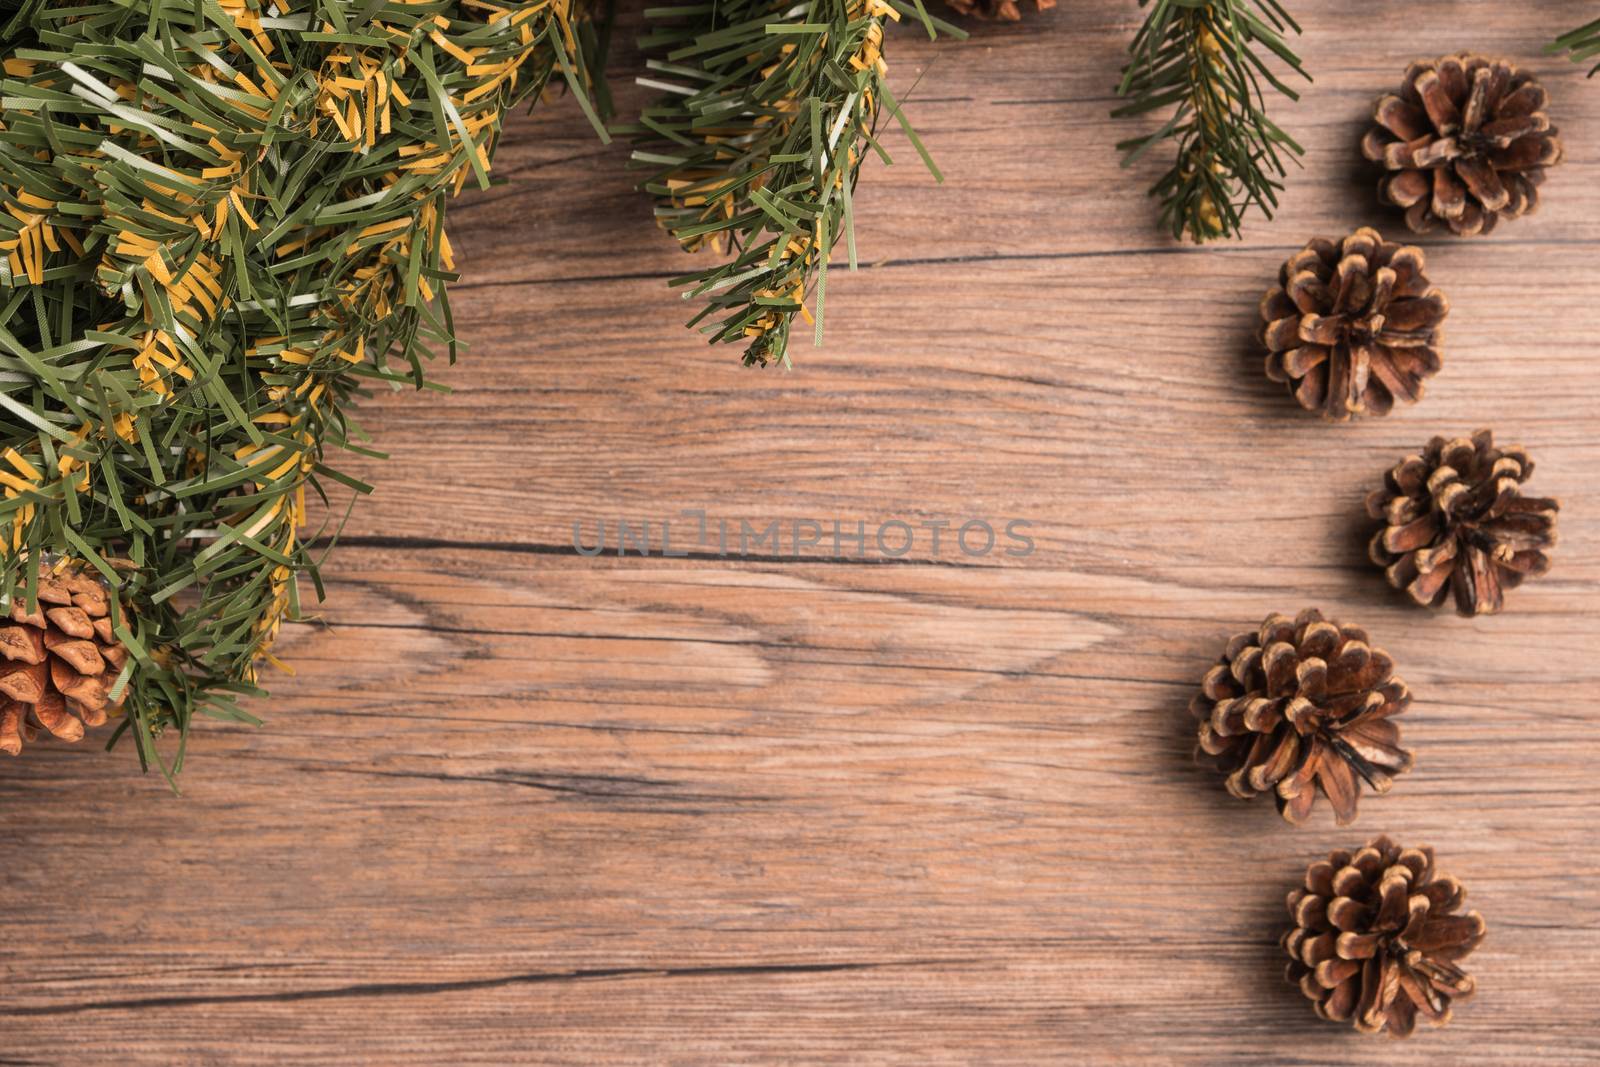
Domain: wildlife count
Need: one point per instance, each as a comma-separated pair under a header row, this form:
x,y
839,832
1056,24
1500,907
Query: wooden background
x,y
522,806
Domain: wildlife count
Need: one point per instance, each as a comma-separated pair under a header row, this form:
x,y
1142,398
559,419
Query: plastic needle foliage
x,y
1205,62
1582,45
771,109
220,220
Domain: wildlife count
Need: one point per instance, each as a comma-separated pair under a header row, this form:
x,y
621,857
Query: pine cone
x,y
1001,10
1466,142
1455,521
58,664
1300,705
1376,938
1353,327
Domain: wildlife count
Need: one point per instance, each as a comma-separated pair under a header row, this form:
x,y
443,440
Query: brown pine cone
x,y
1376,938
1455,522
1465,142
58,664
1302,705
1353,327
1001,10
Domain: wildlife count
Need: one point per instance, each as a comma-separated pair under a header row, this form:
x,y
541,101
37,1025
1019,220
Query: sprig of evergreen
x,y
770,111
220,222
1581,45
1203,60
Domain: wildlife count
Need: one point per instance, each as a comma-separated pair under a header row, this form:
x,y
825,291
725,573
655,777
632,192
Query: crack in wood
x,y
544,783
978,259
404,989
534,548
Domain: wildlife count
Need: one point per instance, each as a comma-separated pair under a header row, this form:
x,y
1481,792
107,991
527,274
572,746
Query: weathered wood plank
x,y
519,805
967,789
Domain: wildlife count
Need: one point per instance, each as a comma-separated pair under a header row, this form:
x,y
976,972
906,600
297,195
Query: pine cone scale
x,y
1402,119
82,656
1441,110
23,681
51,711
1338,783
20,613
1373,748
18,643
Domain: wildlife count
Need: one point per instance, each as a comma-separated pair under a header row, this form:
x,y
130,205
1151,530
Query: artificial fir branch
x,y
1581,45
219,222
1202,59
771,110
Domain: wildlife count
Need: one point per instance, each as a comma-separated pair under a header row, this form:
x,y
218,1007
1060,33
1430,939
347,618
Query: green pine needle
x,y
1581,45
1203,61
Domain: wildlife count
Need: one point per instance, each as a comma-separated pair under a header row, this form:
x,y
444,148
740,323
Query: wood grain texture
x,y
523,806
